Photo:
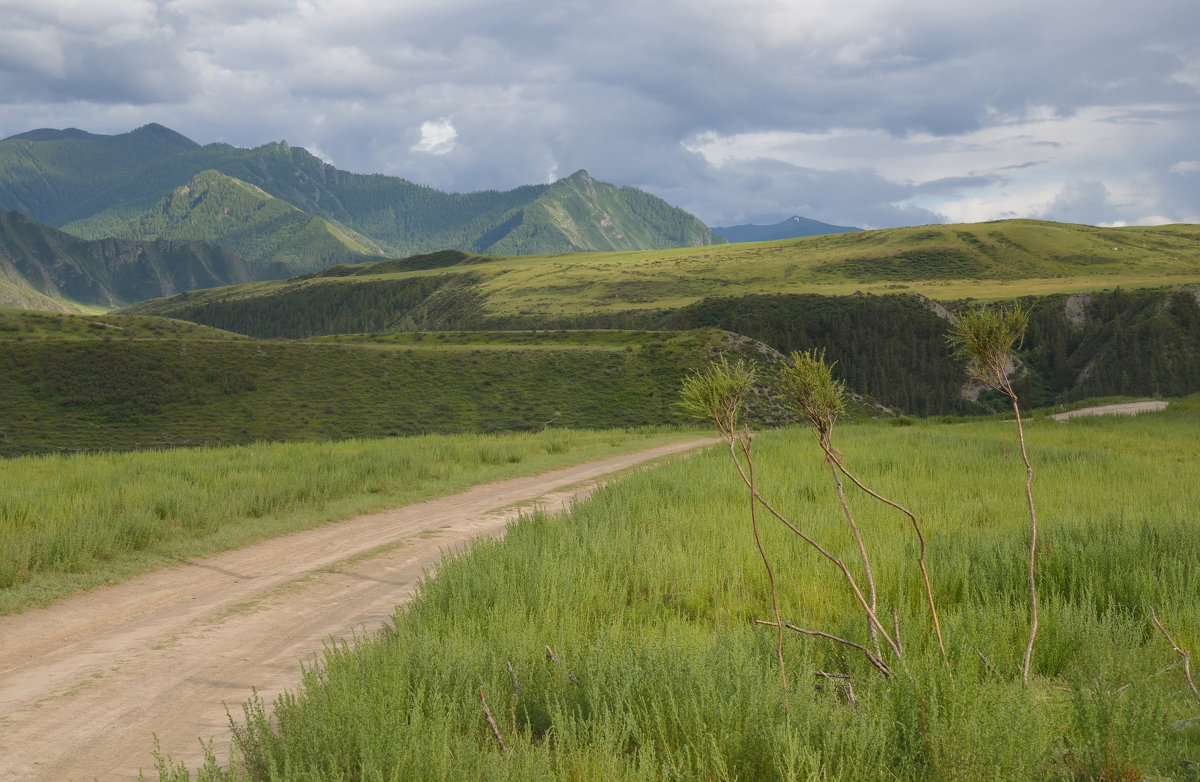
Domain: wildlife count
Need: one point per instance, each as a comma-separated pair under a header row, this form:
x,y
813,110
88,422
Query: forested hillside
x,y
43,268
245,220
96,183
891,347
868,298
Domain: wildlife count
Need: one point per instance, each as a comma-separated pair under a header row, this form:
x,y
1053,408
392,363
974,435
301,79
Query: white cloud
x,y
865,111
437,138
320,153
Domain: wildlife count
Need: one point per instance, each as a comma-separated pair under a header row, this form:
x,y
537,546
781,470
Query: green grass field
x,y
69,522
648,596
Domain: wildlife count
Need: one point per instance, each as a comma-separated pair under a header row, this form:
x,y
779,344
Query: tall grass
x,y
647,594
72,521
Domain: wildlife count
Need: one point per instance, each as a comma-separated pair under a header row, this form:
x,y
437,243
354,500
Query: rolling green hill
x,y
43,268
118,382
97,183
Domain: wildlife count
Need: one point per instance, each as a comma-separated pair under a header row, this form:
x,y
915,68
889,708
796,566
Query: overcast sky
x,y
874,113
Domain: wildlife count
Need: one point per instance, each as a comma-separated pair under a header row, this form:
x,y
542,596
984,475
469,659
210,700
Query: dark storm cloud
x,y
879,113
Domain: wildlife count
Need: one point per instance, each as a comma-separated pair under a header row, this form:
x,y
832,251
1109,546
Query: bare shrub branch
x,y
871,656
717,394
1187,657
809,388
937,626
487,713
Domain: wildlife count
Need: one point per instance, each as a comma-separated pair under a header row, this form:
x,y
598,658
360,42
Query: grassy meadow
x,y
648,595
69,522
984,261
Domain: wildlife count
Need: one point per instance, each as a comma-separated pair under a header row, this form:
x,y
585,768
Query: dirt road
x,y
1123,408
85,682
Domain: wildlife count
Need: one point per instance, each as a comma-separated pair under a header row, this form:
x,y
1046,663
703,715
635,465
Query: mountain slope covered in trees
x,y
241,217
44,268
93,183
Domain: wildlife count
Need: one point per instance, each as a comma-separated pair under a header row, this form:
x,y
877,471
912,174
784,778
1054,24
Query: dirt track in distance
x,y
86,681
1122,408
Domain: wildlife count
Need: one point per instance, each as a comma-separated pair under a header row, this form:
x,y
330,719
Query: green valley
x,y
253,225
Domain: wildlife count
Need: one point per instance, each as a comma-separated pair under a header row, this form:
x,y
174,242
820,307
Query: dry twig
x,y
513,675
874,660
552,658
1187,657
841,683
988,663
492,722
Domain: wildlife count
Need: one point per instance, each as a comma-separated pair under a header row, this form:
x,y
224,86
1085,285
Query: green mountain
x,y
244,219
791,228
44,268
98,184
580,213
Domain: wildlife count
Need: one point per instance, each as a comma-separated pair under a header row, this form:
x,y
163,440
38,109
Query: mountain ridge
x,y
94,182
794,227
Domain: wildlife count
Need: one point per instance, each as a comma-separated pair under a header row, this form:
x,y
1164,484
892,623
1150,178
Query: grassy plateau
x,y
648,595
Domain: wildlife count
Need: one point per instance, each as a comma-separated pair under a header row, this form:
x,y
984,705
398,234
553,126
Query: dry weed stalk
x,y
985,338
487,713
513,675
552,657
811,390
717,393
1187,657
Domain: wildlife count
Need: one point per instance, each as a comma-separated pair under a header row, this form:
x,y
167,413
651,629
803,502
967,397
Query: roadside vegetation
x,y
69,522
648,596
